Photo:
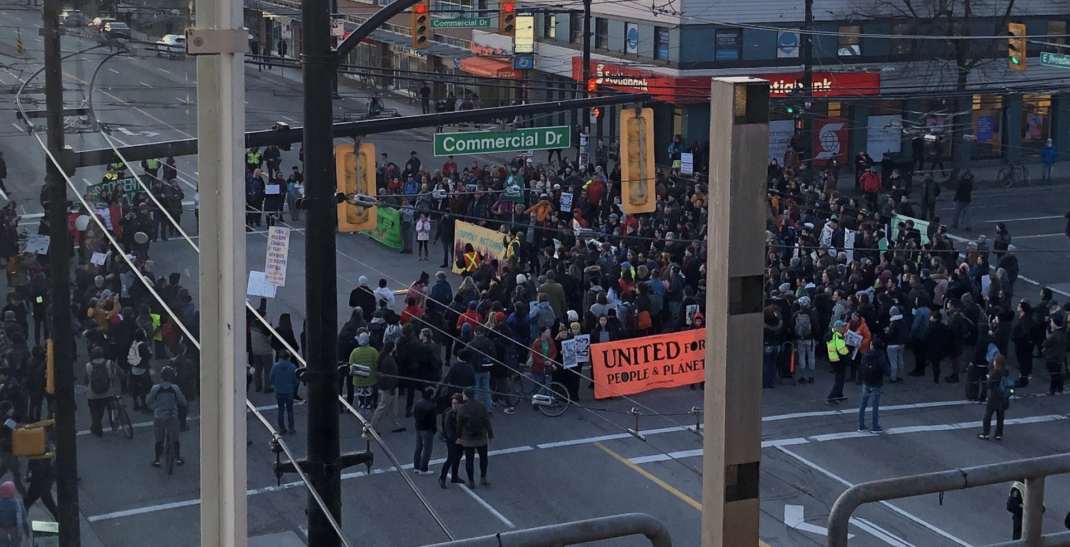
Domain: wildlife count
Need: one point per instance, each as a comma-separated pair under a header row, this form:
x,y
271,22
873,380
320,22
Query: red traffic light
x,y
596,112
592,85
508,8
421,8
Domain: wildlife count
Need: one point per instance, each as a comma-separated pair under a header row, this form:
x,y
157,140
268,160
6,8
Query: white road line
x,y
145,84
3,82
113,70
289,119
897,510
18,127
880,533
143,510
845,412
1023,219
1039,236
163,70
663,457
186,182
487,506
85,180
1039,284
116,139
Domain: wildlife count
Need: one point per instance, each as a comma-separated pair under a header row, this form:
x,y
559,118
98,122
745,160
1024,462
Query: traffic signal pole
x,y
808,82
59,285
586,114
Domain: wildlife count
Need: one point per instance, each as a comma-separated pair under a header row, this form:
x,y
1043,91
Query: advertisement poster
x,y
884,135
388,231
1034,126
780,132
986,126
627,367
830,141
278,249
485,241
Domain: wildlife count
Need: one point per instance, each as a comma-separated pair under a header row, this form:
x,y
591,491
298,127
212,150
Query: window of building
x,y
601,33
987,126
728,44
1056,35
575,28
849,43
905,45
549,26
661,43
1036,118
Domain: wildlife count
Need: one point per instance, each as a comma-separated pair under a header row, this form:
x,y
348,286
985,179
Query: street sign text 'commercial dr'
x,y
490,142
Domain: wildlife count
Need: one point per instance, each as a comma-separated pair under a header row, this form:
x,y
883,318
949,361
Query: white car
x,y
171,44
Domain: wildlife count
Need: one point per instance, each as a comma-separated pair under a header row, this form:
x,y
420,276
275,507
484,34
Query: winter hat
x,y
1012,248
926,272
363,338
573,316
804,301
466,329
784,287
894,311
470,392
362,281
472,304
1056,319
521,279
500,316
839,324
441,275
7,490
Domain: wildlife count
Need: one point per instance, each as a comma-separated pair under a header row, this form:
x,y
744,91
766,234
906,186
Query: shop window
x,y
835,109
575,28
661,43
849,43
728,44
987,126
1036,118
549,26
601,33
1056,35
905,45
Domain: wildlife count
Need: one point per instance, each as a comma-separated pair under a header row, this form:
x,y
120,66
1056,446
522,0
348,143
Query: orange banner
x,y
636,365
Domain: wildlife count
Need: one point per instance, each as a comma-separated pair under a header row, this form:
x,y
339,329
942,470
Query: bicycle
x,y
551,400
118,417
1012,172
169,451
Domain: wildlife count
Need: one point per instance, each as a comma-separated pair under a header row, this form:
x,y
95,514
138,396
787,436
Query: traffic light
x,y
592,85
506,17
596,112
637,160
1016,51
355,173
421,27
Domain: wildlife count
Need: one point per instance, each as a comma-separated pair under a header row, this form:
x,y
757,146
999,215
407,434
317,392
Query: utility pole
x,y
732,447
808,81
59,285
219,44
334,73
319,65
586,114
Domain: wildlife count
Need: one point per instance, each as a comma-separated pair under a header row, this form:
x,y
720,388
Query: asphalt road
x,y
543,470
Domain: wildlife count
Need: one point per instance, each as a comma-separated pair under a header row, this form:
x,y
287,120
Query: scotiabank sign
x,y
696,89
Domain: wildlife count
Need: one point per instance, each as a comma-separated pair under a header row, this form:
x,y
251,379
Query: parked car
x,y
98,23
171,44
72,18
116,29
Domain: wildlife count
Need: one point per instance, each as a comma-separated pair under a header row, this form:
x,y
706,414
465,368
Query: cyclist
x,y
166,398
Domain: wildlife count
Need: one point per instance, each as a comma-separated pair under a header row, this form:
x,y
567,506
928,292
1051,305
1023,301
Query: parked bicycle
x,y
118,417
551,399
1012,173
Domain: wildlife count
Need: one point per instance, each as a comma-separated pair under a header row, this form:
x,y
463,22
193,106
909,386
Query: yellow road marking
x,y
664,485
1036,236
136,109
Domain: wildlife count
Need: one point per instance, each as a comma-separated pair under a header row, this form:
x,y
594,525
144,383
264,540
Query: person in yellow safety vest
x,y
253,159
837,350
513,247
151,167
471,260
1015,506
117,166
110,176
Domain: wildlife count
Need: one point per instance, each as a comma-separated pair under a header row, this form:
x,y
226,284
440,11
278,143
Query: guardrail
x,y
574,533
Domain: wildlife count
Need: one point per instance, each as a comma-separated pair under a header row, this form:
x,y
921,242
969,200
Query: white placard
x,y
258,286
37,244
566,202
853,339
278,249
780,132
99,259
687,163
570,353
849,244
583,348
273,189
884,134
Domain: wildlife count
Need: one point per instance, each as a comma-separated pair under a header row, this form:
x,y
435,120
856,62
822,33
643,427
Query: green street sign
x,y
492,142
1055,59
461,22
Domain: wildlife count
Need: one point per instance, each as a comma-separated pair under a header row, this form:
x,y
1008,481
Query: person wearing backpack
x,y
875,368
805,321
1000,388
1053,351
474,433
140,358
100,376
897,334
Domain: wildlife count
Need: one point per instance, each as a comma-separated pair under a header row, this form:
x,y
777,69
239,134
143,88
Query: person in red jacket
x,y
871,185
596,190
543,356
471,316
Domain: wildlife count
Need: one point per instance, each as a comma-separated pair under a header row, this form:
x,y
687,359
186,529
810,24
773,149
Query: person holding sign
x,y
858,338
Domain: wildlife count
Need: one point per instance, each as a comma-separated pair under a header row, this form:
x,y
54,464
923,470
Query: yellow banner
x,y
485,241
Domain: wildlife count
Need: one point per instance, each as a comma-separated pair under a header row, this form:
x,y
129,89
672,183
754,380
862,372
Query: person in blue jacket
x,y
1047,157
284,378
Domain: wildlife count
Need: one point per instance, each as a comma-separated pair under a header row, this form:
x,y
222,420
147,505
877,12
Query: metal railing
x,y
573,533
1033,471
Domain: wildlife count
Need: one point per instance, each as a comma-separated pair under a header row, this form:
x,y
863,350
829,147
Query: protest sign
x,y
278,248
636,365
485,241
258,286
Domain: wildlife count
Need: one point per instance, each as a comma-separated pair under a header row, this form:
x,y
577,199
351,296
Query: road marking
x,y
879,533
113,70
3,82
1038,236
487,506
186,182
195,418
1039,284
664,485
136,109
146,85
289,119
897,510
844,412
1024,219
18,127
795,517
163,70
143,510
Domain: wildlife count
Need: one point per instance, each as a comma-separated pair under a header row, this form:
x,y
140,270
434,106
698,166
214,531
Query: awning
x,y
489,68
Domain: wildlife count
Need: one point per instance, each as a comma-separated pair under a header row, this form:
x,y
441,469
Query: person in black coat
x,y
362,297
937,342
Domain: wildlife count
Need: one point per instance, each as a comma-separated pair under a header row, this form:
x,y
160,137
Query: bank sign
x,y
492,142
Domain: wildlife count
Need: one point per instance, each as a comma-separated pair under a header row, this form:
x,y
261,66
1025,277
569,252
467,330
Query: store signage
x,y
1055,59
826,84
524,34
460,22
830,141
492,142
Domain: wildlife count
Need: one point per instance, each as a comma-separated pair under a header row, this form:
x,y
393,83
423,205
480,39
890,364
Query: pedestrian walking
x,y
41,477
386,380
449,435
1053,351
1015,501
963,197
100,376
284,378
1047,157
937,343
837,352
1024,336
805,326
407,212
424,415
875,368
14,520
474,433
999,388
772,339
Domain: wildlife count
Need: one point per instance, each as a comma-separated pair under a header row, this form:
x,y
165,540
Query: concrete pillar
x,y
739,115
859,134
1013,106
1060,123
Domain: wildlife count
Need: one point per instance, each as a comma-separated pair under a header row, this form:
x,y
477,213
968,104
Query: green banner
x,y
460,22
490,142
100,193
388,231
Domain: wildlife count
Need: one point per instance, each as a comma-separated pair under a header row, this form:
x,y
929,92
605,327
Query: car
x,y
98,22
171,44
72,18
117,29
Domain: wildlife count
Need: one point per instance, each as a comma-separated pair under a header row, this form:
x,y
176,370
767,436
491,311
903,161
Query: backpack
x,y
100,377
1005,388
392,333
965,327
377,330
643,321
477,424
134,355
872,371
803,327
546,317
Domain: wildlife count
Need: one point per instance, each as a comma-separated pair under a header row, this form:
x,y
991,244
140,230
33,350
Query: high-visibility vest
x,y
1019,486
471,262
111,176
252,158
154,164
156,325
118,167
512,249
836,347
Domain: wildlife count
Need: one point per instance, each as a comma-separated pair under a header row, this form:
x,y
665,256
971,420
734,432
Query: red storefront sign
x,y
830,141
696,89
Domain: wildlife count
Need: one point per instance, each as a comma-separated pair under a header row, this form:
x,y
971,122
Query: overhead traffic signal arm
x,y
1016,47
421,25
